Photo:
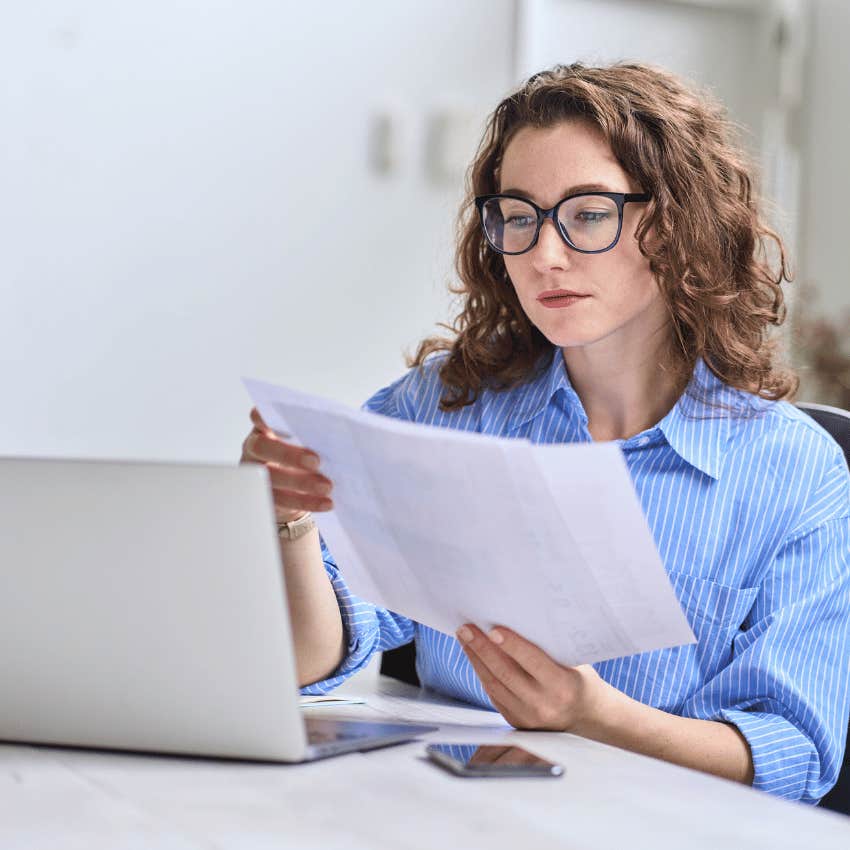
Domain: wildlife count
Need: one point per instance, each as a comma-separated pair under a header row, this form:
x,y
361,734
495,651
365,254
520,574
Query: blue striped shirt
x,y
749,505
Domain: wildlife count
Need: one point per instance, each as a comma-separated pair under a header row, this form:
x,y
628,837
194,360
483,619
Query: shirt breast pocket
x,y
716,613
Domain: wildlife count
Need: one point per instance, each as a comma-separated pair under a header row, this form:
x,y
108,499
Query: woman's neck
x,y
622,395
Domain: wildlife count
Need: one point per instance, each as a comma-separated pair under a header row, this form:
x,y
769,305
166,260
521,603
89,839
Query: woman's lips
x,y
556,298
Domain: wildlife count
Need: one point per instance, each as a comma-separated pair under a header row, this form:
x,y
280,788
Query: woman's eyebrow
x,y
572,190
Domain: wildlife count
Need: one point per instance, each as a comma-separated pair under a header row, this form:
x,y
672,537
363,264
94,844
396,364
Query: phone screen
x,y
491,760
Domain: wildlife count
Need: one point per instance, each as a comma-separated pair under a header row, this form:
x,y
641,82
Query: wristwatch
x,y
296,528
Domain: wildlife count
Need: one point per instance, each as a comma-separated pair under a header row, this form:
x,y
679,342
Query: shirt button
x,y
642,441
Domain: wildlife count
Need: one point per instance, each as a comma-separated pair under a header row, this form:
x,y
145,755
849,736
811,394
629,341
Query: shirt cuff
x,y
785,762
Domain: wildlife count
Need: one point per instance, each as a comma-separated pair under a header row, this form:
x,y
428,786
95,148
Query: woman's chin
x,y
563,339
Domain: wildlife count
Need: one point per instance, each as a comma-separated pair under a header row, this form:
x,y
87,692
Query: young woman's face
x,y
619,307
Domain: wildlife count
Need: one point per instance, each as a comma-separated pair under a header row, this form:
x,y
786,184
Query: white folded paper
x,y
449,527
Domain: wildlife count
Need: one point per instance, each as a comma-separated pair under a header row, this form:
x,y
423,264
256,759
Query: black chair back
x,y
400,664
837,422
833,420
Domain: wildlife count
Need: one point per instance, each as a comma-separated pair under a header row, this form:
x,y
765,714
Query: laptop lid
x,y
142,607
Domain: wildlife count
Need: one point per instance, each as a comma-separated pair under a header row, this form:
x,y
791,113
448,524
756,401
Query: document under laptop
x,y
142,607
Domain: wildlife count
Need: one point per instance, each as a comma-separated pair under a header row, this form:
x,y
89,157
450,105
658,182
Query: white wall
x,y
186,192
824,132
713,46
186,197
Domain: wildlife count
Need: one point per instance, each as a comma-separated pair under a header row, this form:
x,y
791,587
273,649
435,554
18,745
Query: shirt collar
x,y
698,427
531,398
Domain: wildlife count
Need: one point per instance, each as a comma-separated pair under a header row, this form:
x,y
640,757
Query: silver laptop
x,y
142,607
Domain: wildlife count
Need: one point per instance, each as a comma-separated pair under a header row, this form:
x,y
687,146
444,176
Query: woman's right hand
x,y
297,484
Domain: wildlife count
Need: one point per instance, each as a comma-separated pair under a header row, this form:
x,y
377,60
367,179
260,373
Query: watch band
x,y
296,528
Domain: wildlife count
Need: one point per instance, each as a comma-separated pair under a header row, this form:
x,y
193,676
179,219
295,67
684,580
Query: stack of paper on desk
x,y
448,527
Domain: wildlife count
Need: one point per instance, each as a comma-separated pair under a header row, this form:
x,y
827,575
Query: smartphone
x,y
491,760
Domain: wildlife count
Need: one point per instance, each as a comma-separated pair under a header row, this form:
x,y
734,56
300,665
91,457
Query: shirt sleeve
x,y
786,688
368,628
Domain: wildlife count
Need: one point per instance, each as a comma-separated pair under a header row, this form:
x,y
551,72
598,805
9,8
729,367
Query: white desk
x,y
56,799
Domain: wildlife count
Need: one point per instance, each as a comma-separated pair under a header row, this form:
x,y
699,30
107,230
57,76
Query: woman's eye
x,y
519,221
592,216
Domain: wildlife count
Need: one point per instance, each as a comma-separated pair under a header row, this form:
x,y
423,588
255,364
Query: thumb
x,y
259,422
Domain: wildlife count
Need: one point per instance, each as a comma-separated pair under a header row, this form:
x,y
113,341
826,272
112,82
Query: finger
x,y
509,714
530,657
501,665
291,500
268,449
500,675
260,424
289,478
258,421
247,457
505,701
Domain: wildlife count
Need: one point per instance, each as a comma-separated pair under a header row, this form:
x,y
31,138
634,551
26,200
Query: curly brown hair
x,y
702,233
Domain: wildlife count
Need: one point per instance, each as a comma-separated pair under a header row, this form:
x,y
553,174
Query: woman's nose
x,y
550,252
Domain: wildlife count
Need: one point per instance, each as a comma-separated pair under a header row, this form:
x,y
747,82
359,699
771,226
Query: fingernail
x,y
310,461
464,635
496,636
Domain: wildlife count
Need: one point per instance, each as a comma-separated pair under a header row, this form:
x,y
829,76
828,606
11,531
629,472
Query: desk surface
x,y
391,798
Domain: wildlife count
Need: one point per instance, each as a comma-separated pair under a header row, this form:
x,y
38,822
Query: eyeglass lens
x,y
591,222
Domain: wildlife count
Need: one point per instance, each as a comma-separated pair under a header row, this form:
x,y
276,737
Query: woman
x,y
617,285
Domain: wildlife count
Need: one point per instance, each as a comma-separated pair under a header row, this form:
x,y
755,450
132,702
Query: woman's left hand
x,y
530,689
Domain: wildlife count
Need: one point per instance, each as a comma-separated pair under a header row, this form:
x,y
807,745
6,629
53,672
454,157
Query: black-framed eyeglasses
x,y
589,222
